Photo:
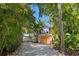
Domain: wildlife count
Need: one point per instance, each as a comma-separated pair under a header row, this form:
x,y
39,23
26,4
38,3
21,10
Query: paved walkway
x,y
35,49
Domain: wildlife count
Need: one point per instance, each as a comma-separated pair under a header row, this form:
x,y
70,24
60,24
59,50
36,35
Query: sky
x,y
44,18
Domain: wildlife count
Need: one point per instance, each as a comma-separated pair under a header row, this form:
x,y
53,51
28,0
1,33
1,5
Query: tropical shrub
x,y
12,18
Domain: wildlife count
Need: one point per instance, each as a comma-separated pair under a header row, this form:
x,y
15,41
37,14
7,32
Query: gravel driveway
x,y
36,49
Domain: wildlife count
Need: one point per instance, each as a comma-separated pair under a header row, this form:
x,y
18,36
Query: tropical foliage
x,y
70,18
13,17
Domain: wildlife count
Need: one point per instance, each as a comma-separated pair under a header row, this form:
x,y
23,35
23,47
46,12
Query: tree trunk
x,y
61,26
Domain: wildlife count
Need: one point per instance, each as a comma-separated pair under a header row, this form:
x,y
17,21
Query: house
x,y
46,29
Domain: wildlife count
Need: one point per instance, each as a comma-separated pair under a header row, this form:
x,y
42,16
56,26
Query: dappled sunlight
x,y
39,29
36,49
38,45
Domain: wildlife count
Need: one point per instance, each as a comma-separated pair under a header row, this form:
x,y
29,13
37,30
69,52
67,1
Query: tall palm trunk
x,y
61,26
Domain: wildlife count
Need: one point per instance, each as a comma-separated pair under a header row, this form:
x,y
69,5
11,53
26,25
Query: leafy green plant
x,y
56,41
71,42
12,18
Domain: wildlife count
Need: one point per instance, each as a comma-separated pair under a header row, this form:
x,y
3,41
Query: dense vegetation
x,y
70,19
15,19
12,18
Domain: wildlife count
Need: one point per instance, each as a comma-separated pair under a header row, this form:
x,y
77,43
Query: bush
x,y
56,41
10,43
71,42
